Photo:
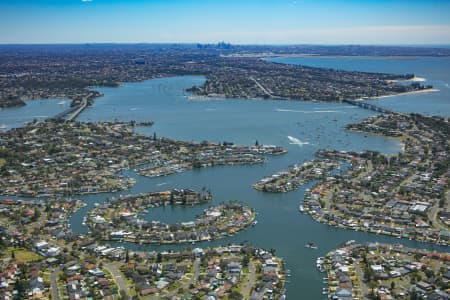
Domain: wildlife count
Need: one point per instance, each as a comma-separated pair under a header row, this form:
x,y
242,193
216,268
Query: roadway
x,y
71,113
185,285
118,278
82,106
54,284
247,289
369,106
261,87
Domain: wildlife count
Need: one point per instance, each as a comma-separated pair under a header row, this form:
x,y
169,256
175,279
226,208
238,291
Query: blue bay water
x,y
436,71
280,225
33,110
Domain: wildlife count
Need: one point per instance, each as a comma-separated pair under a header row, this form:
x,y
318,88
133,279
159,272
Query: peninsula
x,y
124,219
65,158
296,176
404,195
71,71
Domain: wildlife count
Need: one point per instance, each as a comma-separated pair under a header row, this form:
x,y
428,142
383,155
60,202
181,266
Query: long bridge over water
x,y
369,106
71,113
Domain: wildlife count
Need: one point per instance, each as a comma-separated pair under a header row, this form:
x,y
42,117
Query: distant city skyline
x,y
381,22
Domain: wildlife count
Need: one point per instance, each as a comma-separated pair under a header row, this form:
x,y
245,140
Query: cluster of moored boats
x,y
320,264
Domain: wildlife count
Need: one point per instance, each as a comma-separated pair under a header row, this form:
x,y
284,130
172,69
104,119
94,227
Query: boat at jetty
x,y
319,264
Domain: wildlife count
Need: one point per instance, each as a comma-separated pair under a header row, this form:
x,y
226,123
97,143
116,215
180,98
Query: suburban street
x,y
247,289
54,284
118,278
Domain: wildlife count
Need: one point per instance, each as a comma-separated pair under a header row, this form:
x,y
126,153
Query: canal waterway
x,y
301,127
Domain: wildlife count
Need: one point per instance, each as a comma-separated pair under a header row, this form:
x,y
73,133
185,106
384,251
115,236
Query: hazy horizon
x,y
254,22
233,44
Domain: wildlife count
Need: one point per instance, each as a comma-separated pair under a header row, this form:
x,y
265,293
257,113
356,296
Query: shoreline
x,y
326,204
313,55
417,238
414,79
225,97
432,90
137,238
417,79
399,139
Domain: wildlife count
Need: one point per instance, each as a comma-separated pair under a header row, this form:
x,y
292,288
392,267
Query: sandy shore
x,y
402,94
417,79
223,97
219,98
360,57
314,55
414,79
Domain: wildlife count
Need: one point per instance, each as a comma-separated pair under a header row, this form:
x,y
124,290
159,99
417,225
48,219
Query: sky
x,y
382,22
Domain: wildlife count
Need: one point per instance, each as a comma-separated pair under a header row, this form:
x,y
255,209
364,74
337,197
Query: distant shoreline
x,y
224,97
414,79
372,57
402,94
311,55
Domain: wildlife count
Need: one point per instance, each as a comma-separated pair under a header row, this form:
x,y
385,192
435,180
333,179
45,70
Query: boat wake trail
x,y
296,141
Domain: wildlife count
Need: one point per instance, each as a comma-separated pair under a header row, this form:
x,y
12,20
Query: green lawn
x,y
23,255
